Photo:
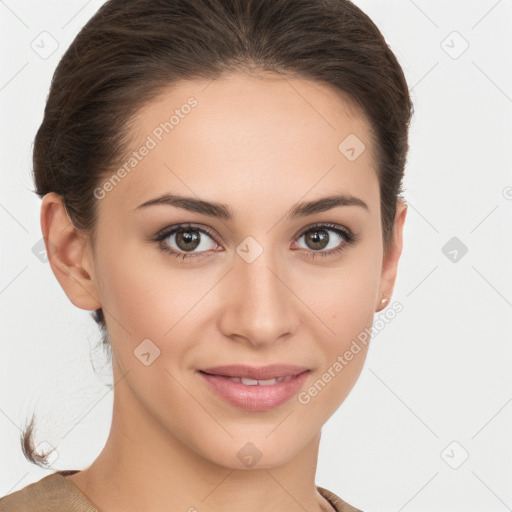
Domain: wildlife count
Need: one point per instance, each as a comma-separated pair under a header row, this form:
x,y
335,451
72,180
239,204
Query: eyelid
x,y
349,239
170,230
330,225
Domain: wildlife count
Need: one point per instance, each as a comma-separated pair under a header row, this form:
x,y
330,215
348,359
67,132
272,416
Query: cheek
x,y
345,304
355,309
147,297
358,291
139,302
343,299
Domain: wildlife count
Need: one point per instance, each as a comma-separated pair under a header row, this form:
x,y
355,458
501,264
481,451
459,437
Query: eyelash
x,y
350,239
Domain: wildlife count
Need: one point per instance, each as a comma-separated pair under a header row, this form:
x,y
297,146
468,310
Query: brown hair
x,y
130,51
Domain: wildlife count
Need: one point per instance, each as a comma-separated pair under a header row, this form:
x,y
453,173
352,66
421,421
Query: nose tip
x,y
258,306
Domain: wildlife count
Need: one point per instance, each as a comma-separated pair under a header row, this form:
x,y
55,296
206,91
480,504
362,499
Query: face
x,y
254,281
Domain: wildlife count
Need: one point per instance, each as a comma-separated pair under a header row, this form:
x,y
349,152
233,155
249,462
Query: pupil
x,y
319,239
189,238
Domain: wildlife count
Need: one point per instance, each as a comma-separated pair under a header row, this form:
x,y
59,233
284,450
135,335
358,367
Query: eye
x,y
317,239
187,238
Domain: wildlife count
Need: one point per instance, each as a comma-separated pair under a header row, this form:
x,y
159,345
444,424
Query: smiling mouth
x,y
259,374
252,394
253,382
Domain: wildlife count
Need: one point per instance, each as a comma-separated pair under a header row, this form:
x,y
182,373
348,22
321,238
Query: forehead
x,y
238,137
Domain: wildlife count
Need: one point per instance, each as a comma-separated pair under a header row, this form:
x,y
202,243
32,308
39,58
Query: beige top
x,y
54,493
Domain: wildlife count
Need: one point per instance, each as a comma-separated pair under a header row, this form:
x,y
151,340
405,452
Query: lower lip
x,y
255,398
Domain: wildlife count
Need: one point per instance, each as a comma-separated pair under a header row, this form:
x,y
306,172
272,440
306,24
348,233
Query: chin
x,y
252,452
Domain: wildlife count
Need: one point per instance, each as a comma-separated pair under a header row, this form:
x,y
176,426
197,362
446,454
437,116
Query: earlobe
x,y
67,249
390,261
382,303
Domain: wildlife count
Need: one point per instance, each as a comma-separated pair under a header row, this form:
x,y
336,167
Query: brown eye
x,y
325,236
183,241
188,240
317,239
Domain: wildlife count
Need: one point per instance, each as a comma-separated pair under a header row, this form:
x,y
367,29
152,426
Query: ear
x,y
390,260
68,253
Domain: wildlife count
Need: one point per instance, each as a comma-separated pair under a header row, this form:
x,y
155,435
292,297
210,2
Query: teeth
x,y
255,382
249,382
268,382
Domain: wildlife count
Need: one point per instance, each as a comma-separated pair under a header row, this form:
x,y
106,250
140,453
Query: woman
x,y
220,184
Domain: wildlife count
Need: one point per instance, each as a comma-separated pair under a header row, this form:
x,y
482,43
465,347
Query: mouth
x,y
253,382
255,389
262,374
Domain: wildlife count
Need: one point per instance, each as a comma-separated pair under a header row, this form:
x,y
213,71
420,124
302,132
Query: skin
x,y
259,144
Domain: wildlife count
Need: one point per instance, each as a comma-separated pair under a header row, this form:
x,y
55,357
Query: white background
x,y
439,372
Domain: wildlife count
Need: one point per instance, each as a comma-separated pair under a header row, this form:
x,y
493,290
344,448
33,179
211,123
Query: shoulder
x,y
338,504
53,493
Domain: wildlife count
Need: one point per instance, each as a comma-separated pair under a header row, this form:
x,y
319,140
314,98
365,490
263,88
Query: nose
x,y
258,305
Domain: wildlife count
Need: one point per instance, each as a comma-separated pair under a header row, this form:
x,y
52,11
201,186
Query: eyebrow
x,y
224,212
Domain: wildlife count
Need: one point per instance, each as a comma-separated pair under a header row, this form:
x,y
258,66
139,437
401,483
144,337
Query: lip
x,y
255,397
252,372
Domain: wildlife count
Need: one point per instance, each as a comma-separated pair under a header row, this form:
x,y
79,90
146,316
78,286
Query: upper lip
x,y
258,373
